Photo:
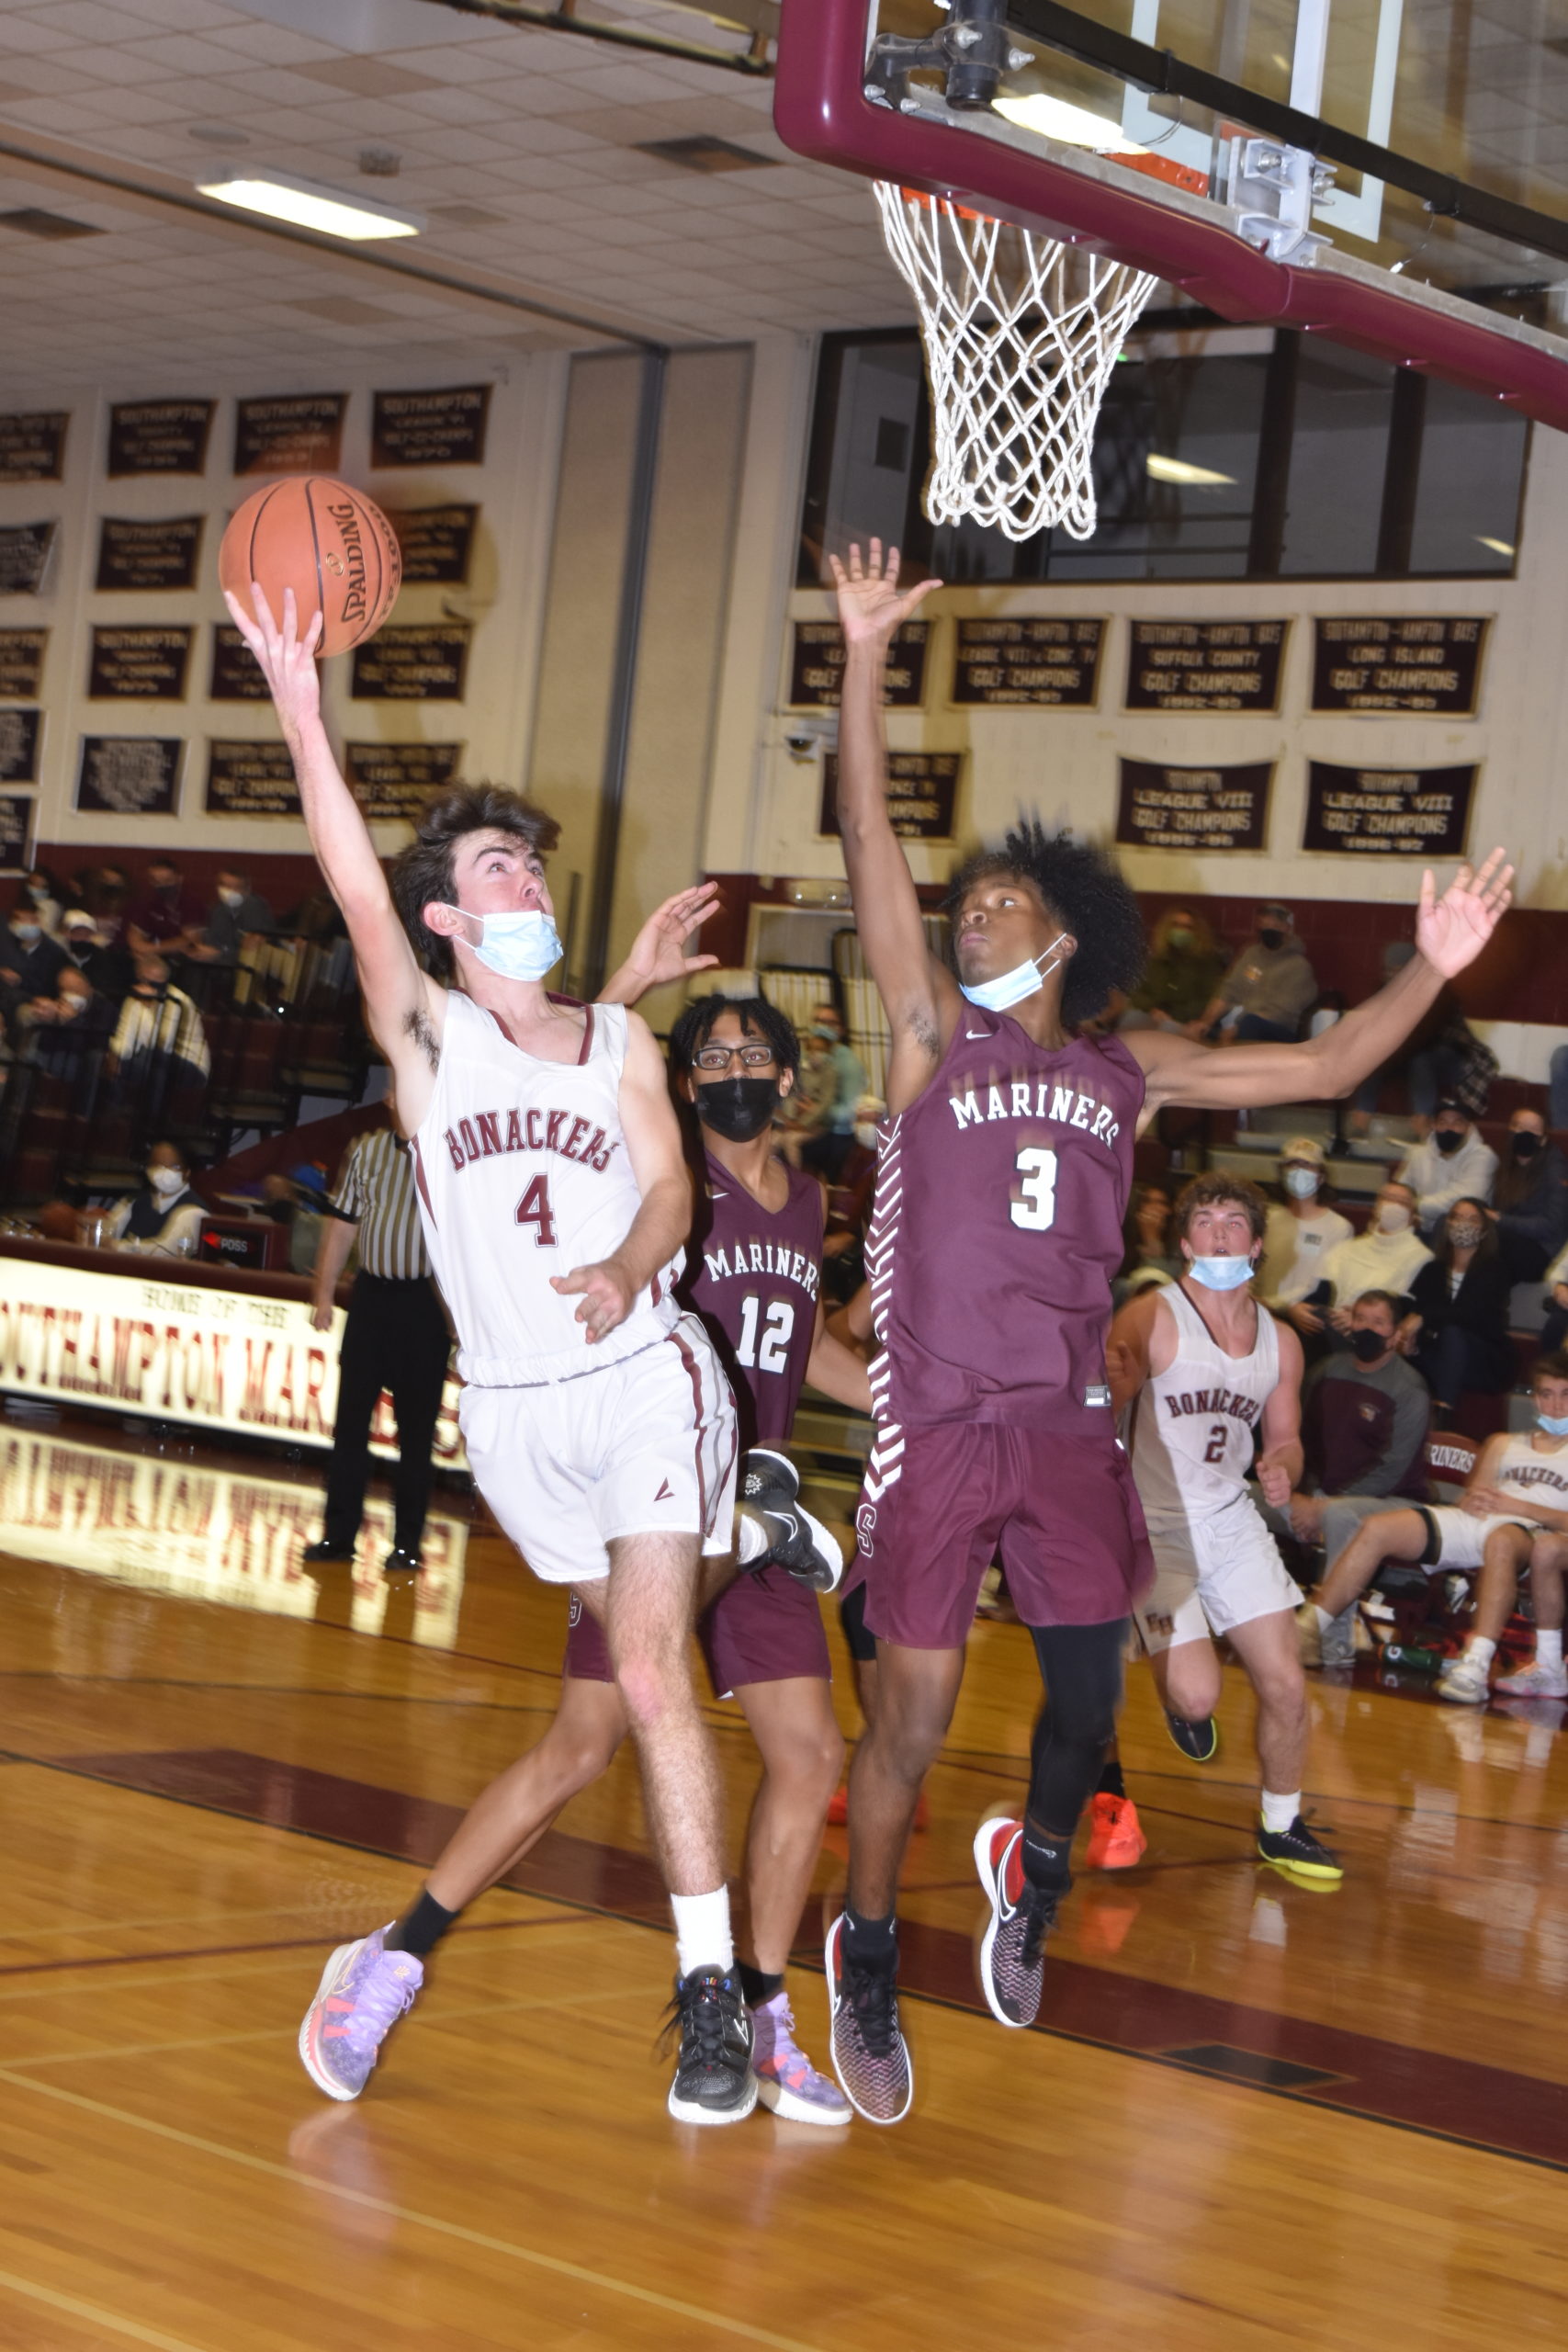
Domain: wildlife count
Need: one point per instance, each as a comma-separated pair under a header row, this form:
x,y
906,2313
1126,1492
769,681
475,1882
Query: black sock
x,y
421,1928
1045,1860
871,1943
758,1986
1110,1783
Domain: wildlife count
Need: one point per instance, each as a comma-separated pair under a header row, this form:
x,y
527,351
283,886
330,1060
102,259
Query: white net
x,y
1020,332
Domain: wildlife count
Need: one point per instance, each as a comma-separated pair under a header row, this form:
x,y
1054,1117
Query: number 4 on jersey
x,y
533,1209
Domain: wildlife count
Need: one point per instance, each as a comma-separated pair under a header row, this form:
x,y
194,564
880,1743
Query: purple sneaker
x,y
786,2080
869,2054
363,1993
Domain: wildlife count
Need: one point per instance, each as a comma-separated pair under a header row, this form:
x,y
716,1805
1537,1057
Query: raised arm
x,y
1451,933
664,1220
405,1007
657,954
919,994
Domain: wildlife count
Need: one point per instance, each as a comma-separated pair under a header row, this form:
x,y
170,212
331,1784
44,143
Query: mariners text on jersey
x,y
745,1258
482,1137
1026,1098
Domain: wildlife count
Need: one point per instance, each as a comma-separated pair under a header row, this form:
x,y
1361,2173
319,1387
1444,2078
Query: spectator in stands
x,y
1364,1419
105,891
1458,1330
29,962
68,1032
47,897
237,913
159,1041
1529,1200
1386,1257
1183,972
1268,987
164,1217
1452,1164
1147,1255
109,968
828,1146
1302,1233
848,1206
164,917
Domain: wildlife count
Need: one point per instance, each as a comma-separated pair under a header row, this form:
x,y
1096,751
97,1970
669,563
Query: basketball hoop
x,y
1020,332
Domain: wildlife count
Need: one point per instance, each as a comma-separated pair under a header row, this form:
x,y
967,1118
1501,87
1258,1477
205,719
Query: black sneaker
x,y
713,2082
316,1555
1295,1849
770,1491
1012,1957
400,1562
1200,1741
870,2057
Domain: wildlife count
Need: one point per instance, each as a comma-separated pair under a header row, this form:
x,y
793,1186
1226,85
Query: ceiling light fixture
x,y
1051,117
1177,469
305,204
1498,547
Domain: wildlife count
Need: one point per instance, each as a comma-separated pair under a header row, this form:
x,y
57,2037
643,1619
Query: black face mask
x,y
737,1108
1367,1346
1271,938
1527,1144
1447,1142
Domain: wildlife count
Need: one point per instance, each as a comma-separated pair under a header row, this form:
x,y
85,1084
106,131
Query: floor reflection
x,y
168,1523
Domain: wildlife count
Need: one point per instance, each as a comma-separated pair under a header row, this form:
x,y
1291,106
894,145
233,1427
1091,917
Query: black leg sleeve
x,y
1082,1669
361,1366
417,1373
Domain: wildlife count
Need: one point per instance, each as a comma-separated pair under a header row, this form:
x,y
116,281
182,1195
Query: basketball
x,y
329,543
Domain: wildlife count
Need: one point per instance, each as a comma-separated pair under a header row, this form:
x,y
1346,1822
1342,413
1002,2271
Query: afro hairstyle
x,y
1084,889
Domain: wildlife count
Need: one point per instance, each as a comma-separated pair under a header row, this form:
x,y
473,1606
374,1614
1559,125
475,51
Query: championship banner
x,y
158,437
17,811
816,666
21,664
446,428
139,665
251,780
1193,809
392,782
922,795
418,664
25,551
146,556
1399,664
1204,665
1031,660
216,1358
436,543
19,731
298,432
128,775
1388,812
32,446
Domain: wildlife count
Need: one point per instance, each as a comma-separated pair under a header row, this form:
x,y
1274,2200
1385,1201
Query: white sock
x,y
1549,1646
1279,1812
1478,1652
1324,1619
702,1930
751,1537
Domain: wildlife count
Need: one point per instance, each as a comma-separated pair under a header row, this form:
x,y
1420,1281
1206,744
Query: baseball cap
x,y
1303,1147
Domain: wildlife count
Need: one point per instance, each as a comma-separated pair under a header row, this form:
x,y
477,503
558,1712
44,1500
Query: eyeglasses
x,y
718,1057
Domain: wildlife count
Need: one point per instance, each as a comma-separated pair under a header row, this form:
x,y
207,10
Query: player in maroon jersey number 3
x,y
1006,1159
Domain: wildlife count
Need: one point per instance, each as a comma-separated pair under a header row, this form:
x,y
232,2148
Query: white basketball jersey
x,y
524,1174
1542,1477
1193,1424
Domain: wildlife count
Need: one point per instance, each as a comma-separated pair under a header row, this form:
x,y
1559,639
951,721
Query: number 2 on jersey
x,y
774,1354
1034,1204
533,1209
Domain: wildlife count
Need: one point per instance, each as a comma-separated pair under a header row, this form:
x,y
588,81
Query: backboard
x,y
1391,173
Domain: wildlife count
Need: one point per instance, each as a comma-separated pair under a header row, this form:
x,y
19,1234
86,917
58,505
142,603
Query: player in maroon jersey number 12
x,y
1006,1160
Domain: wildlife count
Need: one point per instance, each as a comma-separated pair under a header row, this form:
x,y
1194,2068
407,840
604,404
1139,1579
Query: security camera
x,y
804,738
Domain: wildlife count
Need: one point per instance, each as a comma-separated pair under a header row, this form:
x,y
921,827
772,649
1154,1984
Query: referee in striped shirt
x,y
395,1337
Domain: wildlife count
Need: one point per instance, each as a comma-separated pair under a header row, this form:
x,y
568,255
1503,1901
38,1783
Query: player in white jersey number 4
x,y
596,1417
1204,1371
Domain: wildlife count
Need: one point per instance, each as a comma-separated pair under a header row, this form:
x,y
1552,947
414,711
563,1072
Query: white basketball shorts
x,y
1212,1573
646,1446
1457,1540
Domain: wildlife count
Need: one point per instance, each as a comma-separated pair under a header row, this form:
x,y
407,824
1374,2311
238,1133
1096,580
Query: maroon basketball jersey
x,y
754,1278
997,1227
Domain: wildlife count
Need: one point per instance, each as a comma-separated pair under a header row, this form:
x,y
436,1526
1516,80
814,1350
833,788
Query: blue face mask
x,y
1221,1274
519,946
1554,1424
1024,980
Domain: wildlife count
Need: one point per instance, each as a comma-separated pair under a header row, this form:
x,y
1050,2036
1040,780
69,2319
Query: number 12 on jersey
x,y
1034,1200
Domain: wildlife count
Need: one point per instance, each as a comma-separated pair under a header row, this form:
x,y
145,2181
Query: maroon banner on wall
x,y
1193,809
1388,812
17,812
392,782
21,664
816,666
922,795
128,775
296,433
1204,665
443,428
1029,662
159,436
20,733
251,780
436,543
25,551
144,557
236,673
1384,662
32,445
139,665
414,665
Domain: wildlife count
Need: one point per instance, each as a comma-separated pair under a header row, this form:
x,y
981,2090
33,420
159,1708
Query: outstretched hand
x,y
871,610
286,659
658,954
1450,931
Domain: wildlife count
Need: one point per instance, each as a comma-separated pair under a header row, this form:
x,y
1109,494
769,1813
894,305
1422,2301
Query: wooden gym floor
x,y
1252,2113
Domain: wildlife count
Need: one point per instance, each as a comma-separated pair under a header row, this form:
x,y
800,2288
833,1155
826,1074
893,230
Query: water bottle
x,y
1415,1661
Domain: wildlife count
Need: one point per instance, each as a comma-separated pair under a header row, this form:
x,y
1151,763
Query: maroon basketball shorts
x,y
764,1628
942,1500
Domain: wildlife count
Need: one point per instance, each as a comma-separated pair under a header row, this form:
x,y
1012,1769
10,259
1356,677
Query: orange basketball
x,y
331,544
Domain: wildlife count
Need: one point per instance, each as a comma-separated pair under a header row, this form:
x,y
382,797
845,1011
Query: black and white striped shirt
x,y
376,1189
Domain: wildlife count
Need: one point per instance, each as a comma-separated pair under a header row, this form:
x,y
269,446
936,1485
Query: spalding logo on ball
x,y
329,543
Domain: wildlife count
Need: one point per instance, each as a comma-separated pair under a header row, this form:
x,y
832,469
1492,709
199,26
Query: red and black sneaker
x,y
871,2056
1012,1958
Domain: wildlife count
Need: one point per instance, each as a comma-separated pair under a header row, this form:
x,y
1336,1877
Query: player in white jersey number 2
x,y
1204,1370
597,1419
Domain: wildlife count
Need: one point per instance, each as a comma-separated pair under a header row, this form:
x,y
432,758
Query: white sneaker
x,y
1466,1682
1535,1681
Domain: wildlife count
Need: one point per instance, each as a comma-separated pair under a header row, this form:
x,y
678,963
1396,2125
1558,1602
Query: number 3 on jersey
x,y
1034,1200
533,1209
